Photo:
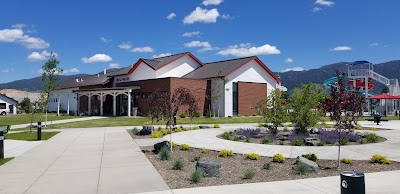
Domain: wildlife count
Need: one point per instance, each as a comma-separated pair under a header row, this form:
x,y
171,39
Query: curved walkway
x,y
207,138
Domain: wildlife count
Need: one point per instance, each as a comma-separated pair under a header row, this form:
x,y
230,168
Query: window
x,y
3,106
146,95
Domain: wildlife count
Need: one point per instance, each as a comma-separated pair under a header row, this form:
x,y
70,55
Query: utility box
x,y
352,182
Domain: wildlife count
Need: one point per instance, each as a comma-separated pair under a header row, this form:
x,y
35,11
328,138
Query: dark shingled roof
x,y
217,69
155,63
88,80
9,98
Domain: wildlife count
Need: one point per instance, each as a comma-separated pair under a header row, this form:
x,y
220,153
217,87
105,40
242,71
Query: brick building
x,y
239,83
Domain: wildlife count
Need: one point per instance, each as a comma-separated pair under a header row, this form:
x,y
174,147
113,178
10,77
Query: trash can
x,y
352,182
134,111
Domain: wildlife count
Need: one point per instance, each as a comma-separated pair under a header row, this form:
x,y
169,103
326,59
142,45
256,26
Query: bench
x,y
5,128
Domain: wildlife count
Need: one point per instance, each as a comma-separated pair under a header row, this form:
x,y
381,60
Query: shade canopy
x,y
383,96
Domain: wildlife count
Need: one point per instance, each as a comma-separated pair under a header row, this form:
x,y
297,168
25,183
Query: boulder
x,y
314,131
146,130
204,127
208,167
311,141
312,165
159,146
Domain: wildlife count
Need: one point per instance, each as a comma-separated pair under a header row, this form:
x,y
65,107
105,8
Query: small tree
x,y
304,105
273,110
344,107
26,105
193,108
49,79
157,101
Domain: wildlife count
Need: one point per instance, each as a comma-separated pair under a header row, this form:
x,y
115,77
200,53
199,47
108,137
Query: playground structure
x,y
362,80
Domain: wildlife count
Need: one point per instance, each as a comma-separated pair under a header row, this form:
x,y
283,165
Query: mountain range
x,y
290,79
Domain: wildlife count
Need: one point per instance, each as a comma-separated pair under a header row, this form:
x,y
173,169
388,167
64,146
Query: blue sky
x,y
91,35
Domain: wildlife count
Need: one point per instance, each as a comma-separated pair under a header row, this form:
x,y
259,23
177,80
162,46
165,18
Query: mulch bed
x,y
232,168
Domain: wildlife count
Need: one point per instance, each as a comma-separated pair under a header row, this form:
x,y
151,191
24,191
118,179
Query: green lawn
x,y
28,136
5,160
26,118
126,121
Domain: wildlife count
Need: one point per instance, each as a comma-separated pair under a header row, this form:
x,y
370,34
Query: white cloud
x,y
374,44
212,2
245,50
171,16
325,3
114,65
316,9
162,55
39,71
105,40
145,49
289,60
17,35
18,26
197,44
293,69
97,58
341,48
202,16
36,56
6,70
125,45
226,16
73,70
190,34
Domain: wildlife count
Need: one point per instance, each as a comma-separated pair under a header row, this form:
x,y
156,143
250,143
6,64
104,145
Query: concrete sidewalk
x,y
14,148
102,160
380,182
57,122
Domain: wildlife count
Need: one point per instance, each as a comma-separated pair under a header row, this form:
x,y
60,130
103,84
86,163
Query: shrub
x,y
278,158
185,147
217,126
285,129
156,134
254,114
343,141
229,116
159,128
182,115
379,159
298,142
173,144
178,164
290,125
373,129
186,129
165,154
204,151
239,115
248,140
236,138
197,114
253,156
328,126
310,156
225,153
362,141
301,169
163,132
246,115
178,129
265,140
372,137
267,166
281,143
135,131
262,125
195,159
196,127
196,176
358,127
227,135
249,174
321,143
346,161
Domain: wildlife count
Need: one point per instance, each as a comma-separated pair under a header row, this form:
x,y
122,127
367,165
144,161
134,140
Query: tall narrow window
x,y
235,99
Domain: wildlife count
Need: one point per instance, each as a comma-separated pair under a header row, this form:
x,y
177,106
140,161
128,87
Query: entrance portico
x,y
102,94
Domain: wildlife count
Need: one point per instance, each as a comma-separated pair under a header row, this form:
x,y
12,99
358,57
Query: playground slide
x,y
333,82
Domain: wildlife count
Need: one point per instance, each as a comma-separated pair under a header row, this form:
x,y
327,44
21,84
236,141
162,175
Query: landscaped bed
x,y
160,132
233,168
315,137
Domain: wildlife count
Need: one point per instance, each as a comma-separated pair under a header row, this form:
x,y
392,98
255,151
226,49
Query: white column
x,y
58,105
101,104
68,105
78,104
90,104
129,103
114,105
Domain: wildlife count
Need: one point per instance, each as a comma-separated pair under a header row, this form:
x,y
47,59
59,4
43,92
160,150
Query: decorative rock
x,y
146,130
311,141
260,135
159,146
210,168
314,131
313,166
241,137
204,127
